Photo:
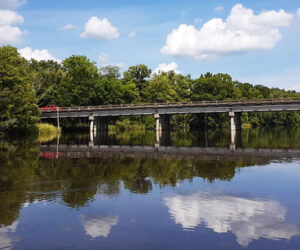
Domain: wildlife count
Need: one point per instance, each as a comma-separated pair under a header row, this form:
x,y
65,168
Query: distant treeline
x,y
27,85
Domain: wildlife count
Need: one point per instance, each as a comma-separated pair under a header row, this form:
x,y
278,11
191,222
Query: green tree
x,y
80,86
46,77
139,74
110,72
161,89
18,102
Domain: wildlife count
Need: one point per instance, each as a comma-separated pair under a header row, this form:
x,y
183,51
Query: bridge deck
x,y
259,105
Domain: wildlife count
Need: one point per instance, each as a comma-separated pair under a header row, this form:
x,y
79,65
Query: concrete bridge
x,y
162,111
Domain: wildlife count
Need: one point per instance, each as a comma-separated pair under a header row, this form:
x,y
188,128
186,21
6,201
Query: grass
x,y
47,132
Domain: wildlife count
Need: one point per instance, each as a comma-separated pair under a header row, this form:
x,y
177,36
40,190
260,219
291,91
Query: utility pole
x,y
57,109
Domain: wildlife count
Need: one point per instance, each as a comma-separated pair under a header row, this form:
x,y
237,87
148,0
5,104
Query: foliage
x,y
18,103
47,132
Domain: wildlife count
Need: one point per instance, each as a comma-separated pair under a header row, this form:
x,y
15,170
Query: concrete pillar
x,y
157,122
235,127
91,119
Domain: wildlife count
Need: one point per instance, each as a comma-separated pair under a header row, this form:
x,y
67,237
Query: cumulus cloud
x,y
248,219
219,8
96,226
163,67
8,32
99,28
39,55
11,4
241,32
68,27
132,34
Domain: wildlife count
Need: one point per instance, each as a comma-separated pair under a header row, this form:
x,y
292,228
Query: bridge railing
x,y
181,104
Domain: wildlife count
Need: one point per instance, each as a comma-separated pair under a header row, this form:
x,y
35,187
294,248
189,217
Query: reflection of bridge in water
x,y
103,151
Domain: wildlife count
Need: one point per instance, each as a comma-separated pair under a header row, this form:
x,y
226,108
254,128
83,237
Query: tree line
x,y
27,85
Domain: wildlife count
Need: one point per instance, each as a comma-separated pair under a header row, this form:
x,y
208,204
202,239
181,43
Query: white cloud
x,y
298,13
99,28
98,226
6,242
11,4
166,68
241,32
219,8
39,55
198,20
9,33
132,34
248,219
8,17
67,27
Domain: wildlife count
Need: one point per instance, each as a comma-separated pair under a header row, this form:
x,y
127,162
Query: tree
x,y
139,75
214,87
46,77
80,86
161,89
18,102
110,72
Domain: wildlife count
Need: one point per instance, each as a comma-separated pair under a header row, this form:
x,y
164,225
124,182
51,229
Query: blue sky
x,y
263,50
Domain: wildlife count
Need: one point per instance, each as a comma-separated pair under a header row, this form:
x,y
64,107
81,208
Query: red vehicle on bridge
x,y
51,108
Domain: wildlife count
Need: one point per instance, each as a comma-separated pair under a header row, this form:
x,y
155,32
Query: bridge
x,y
162,111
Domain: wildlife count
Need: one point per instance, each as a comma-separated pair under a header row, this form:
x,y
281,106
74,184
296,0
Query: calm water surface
x,y
191,191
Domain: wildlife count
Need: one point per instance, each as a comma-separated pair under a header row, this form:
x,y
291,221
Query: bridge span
x,y
162,111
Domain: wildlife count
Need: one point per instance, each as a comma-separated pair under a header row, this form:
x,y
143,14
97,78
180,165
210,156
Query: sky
x,y
256,41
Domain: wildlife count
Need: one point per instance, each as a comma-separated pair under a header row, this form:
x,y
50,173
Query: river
x,y
129,191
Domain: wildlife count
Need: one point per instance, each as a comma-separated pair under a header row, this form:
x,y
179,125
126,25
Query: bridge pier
x,y
235,127
91,119
162,123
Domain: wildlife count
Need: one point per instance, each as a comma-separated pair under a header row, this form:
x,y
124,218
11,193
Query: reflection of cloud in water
x,y
248,219
6,242
96,226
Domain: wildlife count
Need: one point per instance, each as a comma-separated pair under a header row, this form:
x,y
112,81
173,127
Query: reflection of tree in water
x,y
26,178
15,170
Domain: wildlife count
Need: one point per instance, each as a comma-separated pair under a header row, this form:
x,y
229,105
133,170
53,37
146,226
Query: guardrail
x,y
181,104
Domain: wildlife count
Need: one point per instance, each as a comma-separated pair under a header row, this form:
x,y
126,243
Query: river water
x,y
127,191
